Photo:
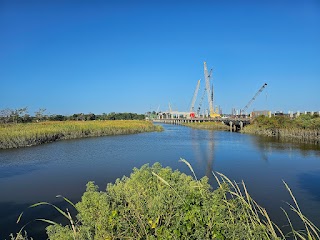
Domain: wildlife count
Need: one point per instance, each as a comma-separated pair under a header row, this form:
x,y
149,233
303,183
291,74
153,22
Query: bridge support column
x,y
241,125
230,124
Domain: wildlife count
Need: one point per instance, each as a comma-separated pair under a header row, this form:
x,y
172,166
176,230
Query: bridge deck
x,y
234,123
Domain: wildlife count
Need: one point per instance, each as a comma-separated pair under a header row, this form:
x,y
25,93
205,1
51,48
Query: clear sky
x,y
133,56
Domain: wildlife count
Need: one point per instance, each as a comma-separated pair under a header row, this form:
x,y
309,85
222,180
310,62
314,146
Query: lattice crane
x,y
252,99
210,93
194,98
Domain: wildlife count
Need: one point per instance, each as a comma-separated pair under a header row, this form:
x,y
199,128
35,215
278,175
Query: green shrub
x,y
159,203
282,122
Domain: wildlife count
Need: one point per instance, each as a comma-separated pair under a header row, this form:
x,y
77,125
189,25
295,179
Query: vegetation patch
x,y
30,134
159,203
305,128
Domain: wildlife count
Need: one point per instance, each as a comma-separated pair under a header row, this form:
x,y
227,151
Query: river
x,y
35,174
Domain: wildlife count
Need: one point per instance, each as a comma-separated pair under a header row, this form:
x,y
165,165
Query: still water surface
x,y
39,173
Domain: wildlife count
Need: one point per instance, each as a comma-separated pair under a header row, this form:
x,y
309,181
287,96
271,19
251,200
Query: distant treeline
x,y
21,115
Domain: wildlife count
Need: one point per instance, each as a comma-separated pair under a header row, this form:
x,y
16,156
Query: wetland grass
x,y
30,134
305,128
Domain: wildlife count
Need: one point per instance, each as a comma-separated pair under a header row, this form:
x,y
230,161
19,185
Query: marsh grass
x,y
305,128
29,134
157,203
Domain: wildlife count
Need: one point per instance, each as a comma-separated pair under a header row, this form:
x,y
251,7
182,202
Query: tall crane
x,y
252,99
210,94
195,94
200,102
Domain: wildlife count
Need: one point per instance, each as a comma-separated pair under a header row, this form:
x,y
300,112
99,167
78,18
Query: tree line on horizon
x,y
21,115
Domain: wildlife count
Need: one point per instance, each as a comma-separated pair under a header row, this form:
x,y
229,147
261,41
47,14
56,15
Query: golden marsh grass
x,y
29,134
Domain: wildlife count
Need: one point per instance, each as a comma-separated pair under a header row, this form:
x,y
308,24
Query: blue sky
x,y
133,56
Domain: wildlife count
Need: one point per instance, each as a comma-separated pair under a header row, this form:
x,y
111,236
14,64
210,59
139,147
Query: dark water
x,y
40,173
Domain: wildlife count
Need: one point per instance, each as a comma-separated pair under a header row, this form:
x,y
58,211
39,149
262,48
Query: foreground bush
x,y
158,203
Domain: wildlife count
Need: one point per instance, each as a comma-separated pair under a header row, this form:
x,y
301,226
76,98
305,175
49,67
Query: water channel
x,y
30,175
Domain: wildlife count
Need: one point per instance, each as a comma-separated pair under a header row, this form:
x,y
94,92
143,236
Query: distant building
x,y
255,114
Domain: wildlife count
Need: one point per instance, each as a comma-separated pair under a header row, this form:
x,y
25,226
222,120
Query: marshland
x,y
35,133
305,128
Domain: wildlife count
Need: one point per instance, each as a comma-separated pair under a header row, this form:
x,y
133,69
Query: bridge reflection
x,y
204,156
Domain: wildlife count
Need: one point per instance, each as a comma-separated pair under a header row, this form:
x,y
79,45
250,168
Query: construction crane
x,y
170,109
252,99
210,93
195,94
200,102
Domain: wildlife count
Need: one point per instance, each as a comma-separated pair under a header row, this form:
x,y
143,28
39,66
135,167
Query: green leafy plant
x,y
159,203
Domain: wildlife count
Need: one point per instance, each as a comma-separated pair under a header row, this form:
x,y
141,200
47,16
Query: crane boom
x,y
195,96
200,102
252,99
207,77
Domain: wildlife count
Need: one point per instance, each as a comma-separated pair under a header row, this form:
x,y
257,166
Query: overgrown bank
x,y
207,125
158,203
30,134
305,128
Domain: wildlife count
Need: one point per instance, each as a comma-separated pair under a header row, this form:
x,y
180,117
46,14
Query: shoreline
x,y
33,134
310,136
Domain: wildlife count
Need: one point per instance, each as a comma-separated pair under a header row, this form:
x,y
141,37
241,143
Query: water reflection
x,y
210,154
269,144
12,210
201,156
13,170
309,182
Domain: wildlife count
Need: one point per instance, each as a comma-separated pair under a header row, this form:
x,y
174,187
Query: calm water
x,y
40,173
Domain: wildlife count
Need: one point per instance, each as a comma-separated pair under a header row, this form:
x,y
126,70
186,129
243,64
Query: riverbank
x,y
31,134
207,125
305,128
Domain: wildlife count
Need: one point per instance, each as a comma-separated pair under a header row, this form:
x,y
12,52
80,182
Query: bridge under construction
x,y
210,114
235,124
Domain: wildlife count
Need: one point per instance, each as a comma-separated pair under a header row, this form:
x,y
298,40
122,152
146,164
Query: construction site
x,y
210,112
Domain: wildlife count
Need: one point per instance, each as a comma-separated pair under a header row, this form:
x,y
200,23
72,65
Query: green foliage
x,y
20,236
21,115
282,122
159,203
308,122
305,128
121,116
